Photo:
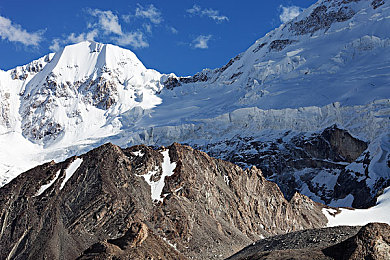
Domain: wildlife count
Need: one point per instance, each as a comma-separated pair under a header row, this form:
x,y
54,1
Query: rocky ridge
x,y
289,81
310,163
103,204
368,242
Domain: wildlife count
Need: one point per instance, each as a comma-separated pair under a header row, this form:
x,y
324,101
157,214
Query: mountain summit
x,y
302,89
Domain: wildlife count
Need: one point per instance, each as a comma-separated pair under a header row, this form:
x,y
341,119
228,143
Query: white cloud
x,y
201,42
195,10
173,30
107,27
211,13
108,21
57,43
134,39
90,36
109,24
150,12
147,27
126,18
15,33
289,13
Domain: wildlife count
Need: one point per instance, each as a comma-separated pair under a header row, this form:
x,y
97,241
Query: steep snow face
x,y
83,87
67,99
333,52
330,65
12,83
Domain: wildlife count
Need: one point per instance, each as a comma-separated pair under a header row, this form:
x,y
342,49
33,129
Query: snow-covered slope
x,y
85,85
360,217
67,97
330,65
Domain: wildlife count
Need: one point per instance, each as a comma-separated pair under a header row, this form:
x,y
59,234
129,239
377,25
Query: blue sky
x,y
179,36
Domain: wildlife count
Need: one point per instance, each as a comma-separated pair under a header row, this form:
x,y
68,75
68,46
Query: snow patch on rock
x,y
72,168
156,187
43,188
361,217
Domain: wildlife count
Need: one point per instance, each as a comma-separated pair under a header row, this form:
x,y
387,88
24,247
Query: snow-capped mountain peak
x,y
84,84
328,66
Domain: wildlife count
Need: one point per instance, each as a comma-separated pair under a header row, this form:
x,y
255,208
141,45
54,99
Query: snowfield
x,y
361,217
297,77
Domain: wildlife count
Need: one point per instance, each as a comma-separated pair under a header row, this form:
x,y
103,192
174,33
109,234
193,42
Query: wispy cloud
x,y
201,42
147,27
172,29
126,18
15,33
208,12
134,39
289,13
108,21
150,12
107,25
57,43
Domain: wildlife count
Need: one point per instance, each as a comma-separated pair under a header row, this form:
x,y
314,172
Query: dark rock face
x,y
335,144
376,3
322,17
227,65
208,209
372,242
369,242
23,72
206,75
259,47
280,159
279,45
173,82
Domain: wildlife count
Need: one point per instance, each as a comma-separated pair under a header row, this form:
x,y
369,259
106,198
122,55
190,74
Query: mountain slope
x,y
330,65
122,202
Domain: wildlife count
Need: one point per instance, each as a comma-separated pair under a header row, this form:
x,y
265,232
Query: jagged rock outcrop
x,y
113,202
372,242
137,243
368,242
323,16
295,160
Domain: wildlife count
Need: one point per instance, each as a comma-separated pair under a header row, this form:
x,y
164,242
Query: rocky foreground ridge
x,y
167,203
144,203
369,242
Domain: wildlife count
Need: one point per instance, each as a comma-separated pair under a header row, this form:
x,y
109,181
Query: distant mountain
x,y
294,104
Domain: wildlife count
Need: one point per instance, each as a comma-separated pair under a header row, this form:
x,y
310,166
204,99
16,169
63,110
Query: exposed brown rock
x,y
211,208
322,17
137,243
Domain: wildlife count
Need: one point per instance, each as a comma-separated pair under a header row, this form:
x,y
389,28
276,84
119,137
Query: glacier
x,y
303,77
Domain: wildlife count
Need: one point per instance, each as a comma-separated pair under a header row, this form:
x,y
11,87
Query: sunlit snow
x,y
46,186
156,187
70,171
360,217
